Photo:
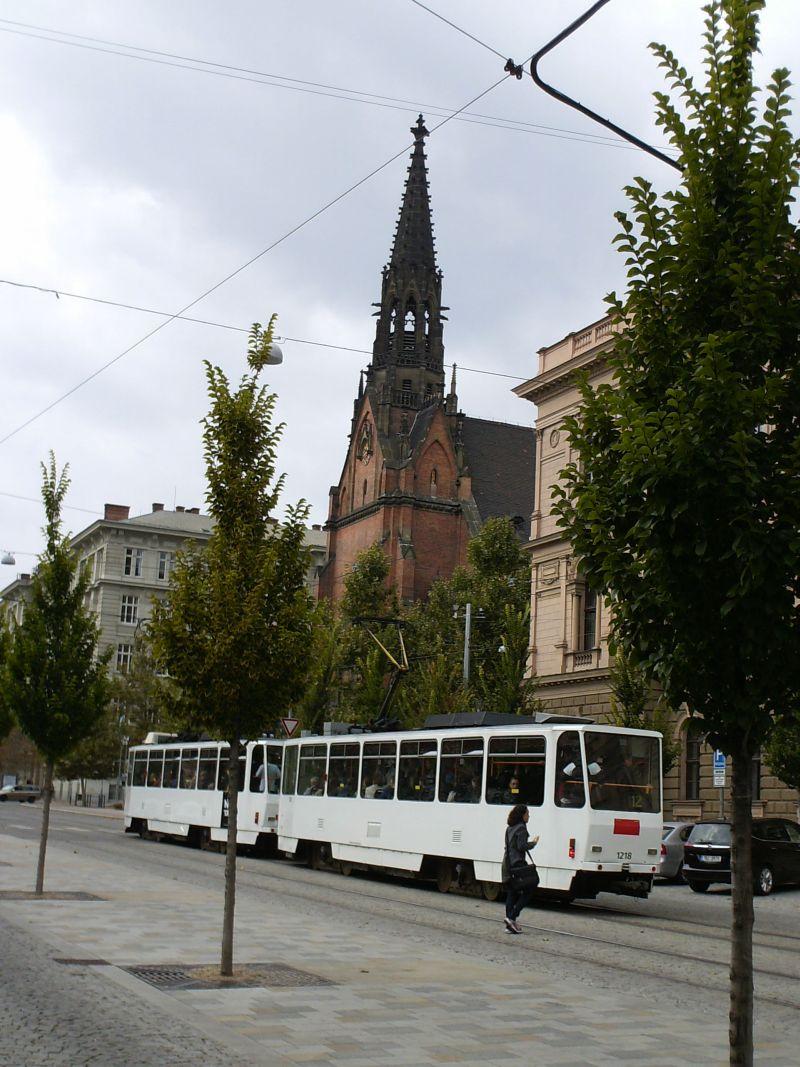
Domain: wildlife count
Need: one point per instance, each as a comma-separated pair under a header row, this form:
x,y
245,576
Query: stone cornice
x,y
561,378
394,501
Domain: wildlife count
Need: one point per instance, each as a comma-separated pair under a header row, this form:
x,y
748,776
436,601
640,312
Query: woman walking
x,y
522,876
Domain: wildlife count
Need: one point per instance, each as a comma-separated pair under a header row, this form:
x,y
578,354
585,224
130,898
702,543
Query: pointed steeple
x,y
413,239
407,367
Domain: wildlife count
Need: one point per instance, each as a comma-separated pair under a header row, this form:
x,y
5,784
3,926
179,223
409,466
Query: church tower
x,y
420,477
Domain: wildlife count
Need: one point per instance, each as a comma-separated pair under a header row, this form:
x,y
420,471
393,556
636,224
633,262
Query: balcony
x,y
587,660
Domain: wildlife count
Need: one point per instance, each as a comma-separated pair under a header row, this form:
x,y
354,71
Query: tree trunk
x,y
46,798
741,1013
226,963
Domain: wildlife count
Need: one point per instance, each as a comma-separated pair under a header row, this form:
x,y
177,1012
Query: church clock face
x,y
364,448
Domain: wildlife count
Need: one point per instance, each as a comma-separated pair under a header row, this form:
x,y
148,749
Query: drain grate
x,y
81,963
178,976
21,894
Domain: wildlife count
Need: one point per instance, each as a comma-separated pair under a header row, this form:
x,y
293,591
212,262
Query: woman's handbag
x,y
524,877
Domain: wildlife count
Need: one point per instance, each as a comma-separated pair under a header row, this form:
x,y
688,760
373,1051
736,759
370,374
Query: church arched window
x,y
393,320
410,326
434,482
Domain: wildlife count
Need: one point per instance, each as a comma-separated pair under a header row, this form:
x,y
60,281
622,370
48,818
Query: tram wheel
x,y
491,890
206,844
320,856
444,876
345,868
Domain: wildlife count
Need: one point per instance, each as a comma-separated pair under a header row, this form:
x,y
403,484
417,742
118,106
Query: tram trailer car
x,y
178,789
434,802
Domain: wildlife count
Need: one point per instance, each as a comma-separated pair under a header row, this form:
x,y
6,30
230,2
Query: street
x,y
416,976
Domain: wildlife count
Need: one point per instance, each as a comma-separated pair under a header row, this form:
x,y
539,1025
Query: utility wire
x,y
38,500
244,266
314,88
227,326
477,40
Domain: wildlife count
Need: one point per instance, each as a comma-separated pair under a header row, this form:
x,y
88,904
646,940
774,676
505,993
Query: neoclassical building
x,y
569,623
419,477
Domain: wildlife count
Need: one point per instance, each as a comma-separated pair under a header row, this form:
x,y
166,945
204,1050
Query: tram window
x,y
461,773
343,770
172,758
207,775
155,769
257,770
311,777
378,770
417,775
222,777
289,771
140,768
570,792
274,759
130,769
188,778
515,774
624,772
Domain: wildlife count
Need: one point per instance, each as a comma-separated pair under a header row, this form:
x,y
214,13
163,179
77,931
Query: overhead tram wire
x,y
228,326
477,40
223,281
204,66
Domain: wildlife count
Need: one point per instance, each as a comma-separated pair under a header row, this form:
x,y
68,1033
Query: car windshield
x,y
624,772
711,834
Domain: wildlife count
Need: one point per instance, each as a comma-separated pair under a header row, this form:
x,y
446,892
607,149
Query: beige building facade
x,y
570,624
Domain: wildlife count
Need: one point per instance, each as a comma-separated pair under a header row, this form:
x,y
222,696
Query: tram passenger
x,y
512,794
386,792
371,792
313,786
517,847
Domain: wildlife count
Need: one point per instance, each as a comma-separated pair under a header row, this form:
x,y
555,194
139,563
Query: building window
x,y
589,629
133,562
165,564
691,760
124,657
755,775
130,610
98,564
434,480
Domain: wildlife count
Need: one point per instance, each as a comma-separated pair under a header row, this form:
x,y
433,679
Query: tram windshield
x,y
624,772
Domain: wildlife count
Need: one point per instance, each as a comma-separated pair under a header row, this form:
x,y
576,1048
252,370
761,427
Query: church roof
x,y
413,239
501,460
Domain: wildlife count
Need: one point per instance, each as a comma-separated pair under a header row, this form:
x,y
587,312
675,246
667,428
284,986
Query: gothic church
x,y
420,477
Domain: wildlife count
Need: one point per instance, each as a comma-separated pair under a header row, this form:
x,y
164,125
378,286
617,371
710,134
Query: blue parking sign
x,y
719,768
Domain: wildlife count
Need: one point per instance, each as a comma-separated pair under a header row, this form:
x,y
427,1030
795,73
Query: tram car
x,y
433,803
178,789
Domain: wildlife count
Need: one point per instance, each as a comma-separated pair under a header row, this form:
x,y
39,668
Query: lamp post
x,y
467,617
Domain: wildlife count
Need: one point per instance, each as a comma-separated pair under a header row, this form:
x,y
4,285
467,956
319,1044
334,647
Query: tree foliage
x,y
682,500
143,695
54,682
6,718
783,751
636,706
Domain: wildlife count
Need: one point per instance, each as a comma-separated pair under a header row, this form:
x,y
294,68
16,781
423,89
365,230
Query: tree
x,y
320,697
682,501
783,752
98,755
142,693
633,706
6,718
54,682
234,631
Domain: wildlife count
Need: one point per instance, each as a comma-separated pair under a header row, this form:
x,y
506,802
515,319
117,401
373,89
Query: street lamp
x,y
8,559
467,617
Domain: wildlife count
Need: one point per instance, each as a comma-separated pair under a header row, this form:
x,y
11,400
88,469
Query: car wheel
x,y
31,799
765,882
4,799
698,887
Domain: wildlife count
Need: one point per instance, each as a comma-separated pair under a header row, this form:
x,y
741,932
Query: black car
x,y
776,855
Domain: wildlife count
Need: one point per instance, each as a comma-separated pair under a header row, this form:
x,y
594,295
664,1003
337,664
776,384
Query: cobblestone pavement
x,y
393,1001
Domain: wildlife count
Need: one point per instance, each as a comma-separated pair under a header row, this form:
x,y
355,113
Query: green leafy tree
x,y
54,682
683,498
143,694
502,684
6,718
434,686
634,705
234,631
320,699
99,754
783,752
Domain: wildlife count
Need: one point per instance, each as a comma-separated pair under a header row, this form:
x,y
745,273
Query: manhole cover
x,y
172,976
82,963
21,894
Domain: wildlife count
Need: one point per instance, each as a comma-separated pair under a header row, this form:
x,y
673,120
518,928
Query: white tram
x,y
434,802
177,788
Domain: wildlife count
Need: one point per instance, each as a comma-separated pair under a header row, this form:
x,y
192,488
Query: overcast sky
x,y
136,181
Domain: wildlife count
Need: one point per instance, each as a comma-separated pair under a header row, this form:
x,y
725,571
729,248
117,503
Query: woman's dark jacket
x,y
517,844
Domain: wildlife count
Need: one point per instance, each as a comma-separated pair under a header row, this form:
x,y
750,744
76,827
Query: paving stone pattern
x,y
390,1003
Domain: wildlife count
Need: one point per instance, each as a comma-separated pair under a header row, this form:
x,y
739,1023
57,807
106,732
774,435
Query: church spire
x,y
407,367
413,239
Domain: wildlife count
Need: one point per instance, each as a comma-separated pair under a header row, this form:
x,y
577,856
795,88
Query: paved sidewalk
x,y
389,1002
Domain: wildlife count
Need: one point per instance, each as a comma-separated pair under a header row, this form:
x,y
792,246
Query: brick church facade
x,y
420,477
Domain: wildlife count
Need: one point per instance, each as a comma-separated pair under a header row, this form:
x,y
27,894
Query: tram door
x,y
259,801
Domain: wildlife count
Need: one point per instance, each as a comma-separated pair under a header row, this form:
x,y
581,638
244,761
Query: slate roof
x,y
501,459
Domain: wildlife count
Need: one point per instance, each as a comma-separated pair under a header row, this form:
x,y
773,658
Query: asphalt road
x,y
672,948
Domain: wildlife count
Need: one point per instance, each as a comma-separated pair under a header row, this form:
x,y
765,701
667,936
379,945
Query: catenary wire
x,y
314,88
223,281
227,326
477,40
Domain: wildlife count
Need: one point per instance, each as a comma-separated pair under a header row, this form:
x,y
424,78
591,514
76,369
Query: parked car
x,y
20,792
776,855
673,838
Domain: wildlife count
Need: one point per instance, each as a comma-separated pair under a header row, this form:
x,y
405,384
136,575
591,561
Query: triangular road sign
x,y
290,725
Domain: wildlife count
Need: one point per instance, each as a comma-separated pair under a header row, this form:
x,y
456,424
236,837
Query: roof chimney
x,y
193,511
180,507
315,526
116,512
157,507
